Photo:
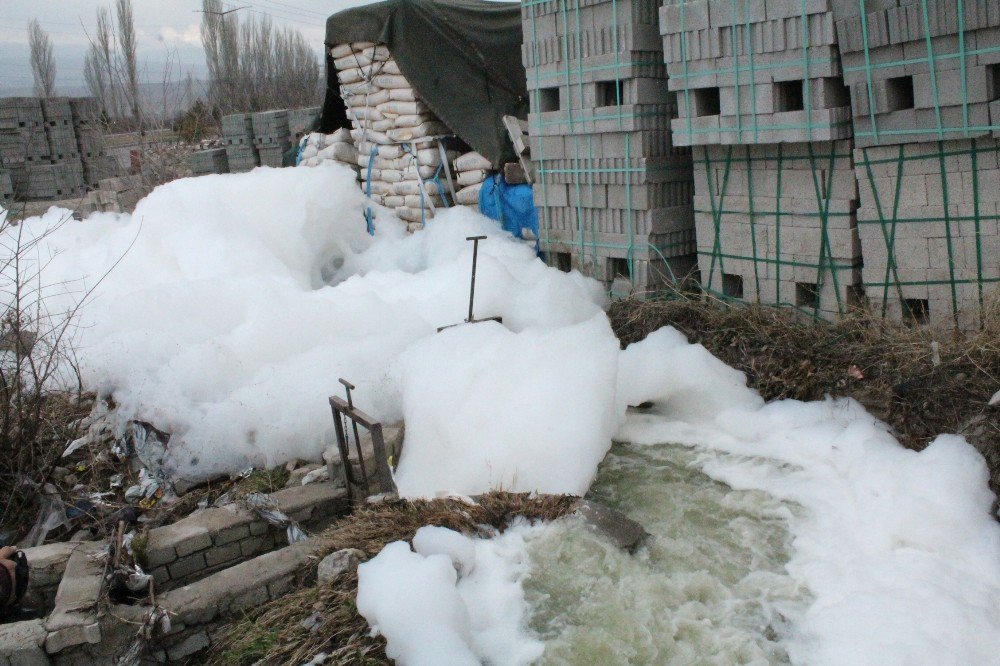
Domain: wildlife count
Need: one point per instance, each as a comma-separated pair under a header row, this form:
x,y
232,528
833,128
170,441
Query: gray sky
x,y
165,28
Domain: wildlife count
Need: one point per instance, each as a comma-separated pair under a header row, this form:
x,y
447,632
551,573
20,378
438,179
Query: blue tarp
x,y
513,206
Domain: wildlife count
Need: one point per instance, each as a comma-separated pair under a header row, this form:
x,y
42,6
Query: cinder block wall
x,y
614,194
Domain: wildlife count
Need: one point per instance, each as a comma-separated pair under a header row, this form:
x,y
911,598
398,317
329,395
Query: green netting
x,y
821,161
588,245
934,56
947,219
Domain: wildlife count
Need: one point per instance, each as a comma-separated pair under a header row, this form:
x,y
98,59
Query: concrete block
x,y
195,641
186,567
74,620
22,643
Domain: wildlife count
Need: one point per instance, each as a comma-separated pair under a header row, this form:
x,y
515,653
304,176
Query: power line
x,y
254,9
307,13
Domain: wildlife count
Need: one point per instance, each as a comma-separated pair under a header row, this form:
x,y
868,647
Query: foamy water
x,y
708,588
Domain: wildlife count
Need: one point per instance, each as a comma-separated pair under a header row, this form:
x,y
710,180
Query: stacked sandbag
x,y
336,147
394,133
471,170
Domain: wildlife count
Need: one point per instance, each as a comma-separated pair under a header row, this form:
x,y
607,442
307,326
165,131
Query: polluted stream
x,y
708,587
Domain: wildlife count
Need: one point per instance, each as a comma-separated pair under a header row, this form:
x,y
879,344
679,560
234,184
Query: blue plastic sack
x,y
513,206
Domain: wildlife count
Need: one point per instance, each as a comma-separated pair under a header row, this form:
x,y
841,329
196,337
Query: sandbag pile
x,y
395,133
336,147
470,170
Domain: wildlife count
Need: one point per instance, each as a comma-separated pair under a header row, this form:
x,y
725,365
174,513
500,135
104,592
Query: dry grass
x,y
786,355
273,633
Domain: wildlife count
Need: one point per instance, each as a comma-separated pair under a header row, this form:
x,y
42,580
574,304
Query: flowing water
x,y
709,588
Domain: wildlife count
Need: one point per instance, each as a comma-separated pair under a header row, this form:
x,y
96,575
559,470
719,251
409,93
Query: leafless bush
x,y
43,65
254,67
40,387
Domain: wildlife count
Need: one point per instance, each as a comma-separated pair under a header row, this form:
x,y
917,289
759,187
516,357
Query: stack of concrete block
x,y
59,131
763,71
776,224
302,120
237,137
925,90
921,70
55,181
396,134
614,193
22,139
97,164
928,227
760,89
213,160
271,136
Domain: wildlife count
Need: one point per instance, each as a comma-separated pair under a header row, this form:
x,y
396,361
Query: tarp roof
x,y
463,57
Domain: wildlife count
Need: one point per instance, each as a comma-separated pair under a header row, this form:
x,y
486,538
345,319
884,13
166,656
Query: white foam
x,y
218,327
429,614
897,547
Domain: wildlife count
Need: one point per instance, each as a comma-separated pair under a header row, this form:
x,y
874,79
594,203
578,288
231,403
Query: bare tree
x,y
129,62
100,67
252,66
43,65
220,39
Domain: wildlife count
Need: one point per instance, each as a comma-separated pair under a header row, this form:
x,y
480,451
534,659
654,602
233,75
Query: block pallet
x,y
921,70
614,194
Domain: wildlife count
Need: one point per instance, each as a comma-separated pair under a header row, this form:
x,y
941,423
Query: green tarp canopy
x,y
463,58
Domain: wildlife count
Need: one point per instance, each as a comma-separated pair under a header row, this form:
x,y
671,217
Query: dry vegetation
x,y
786,355
274,633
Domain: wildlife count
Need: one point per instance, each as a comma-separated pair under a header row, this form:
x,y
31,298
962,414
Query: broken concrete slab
x,y
74,620
46,564
22,643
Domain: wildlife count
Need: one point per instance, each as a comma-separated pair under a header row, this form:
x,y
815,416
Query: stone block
x,y
337,563
230,534
74,619
186,567
194,642
221,554
22,643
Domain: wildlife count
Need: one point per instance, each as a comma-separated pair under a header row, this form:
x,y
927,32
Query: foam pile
x,y
466,593
395,133
246,296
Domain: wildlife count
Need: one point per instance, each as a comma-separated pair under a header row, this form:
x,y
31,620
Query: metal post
x,y
357,438
472,290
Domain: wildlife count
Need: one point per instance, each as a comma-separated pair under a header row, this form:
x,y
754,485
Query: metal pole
x,y
357,438
475,253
